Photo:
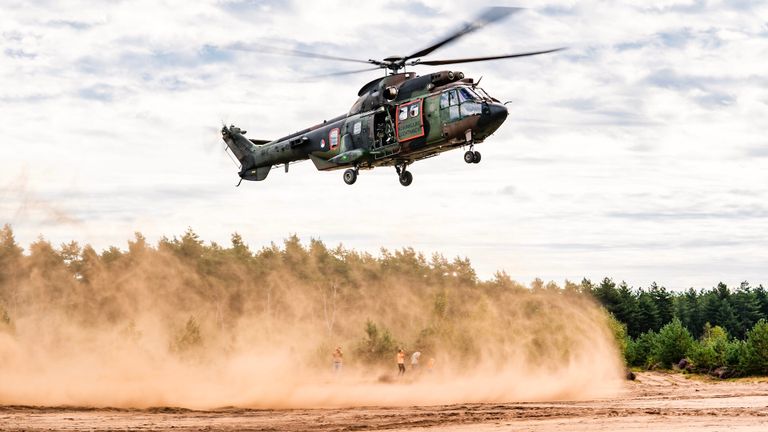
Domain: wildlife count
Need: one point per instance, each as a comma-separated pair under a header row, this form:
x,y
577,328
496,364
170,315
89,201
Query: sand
x,y
655,401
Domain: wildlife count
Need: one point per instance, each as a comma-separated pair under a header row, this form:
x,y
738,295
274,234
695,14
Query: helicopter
x,y
398,119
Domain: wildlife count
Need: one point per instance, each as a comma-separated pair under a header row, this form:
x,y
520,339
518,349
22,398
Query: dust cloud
x,y
199,326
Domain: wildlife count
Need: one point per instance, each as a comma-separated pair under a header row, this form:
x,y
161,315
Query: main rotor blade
x,y
488,16
478,59
344,73
295,53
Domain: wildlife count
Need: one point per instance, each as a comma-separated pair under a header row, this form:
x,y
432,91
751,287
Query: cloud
x,y
635,137
25,99
99,92
508,190
684,214
76,25
19,54
559,10
758,151
239,7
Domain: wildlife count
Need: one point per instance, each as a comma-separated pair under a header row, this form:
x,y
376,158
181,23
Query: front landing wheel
x,y
477,157
350,176
406,178
469,157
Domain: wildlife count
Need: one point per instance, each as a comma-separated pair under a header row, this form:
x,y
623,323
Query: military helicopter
x,y
398,119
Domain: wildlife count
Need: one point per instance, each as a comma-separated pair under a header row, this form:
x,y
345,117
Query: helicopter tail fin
x,y
240,146
244,149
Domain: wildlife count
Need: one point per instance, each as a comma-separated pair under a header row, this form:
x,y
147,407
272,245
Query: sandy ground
x,y
656,401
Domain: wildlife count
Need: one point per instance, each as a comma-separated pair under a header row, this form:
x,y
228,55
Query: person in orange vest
x,y
338,359
400,362
431,364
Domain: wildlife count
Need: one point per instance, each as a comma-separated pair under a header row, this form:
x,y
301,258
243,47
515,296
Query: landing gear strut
x,y
471,156
406,178
350,176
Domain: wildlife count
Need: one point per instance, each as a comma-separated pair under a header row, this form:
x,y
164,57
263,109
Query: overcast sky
x,y
640,153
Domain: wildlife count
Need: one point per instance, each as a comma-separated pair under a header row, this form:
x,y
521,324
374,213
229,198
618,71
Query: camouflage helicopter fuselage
x,y
397,120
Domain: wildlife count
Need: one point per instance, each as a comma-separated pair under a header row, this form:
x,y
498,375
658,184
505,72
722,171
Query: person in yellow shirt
x,y
400,362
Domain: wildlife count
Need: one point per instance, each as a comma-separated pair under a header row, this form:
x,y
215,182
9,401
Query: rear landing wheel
x,y
469,157
476,157
406,178
350,176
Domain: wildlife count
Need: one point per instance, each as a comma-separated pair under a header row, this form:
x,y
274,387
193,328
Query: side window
x,y
453,112
470,108
444,100
403,113
333,138
452,96
356,129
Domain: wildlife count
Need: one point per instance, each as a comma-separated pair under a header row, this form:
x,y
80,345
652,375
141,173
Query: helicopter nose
x,y
498,112
493,116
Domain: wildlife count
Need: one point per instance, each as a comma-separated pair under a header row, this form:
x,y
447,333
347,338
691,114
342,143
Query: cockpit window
x,y
466,94
453,98
444,100
470,108
460,102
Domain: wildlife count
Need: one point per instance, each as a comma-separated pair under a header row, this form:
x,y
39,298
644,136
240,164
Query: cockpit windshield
x,y
461,102
467,94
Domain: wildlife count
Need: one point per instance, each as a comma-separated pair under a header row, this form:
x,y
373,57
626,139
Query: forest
x,y
717,330
309,298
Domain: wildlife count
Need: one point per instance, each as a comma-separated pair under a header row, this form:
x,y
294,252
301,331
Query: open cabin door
x,y
385,142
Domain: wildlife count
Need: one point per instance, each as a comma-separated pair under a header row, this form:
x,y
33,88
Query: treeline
x,y
302,298
215,298
718,330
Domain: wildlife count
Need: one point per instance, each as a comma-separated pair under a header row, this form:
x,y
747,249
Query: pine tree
x,y
746,309
762,300
607,295
663,300
648,314
627,310
755,359
689,311
10,260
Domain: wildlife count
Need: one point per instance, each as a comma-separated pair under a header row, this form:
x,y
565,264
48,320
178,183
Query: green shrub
x,y
377,346
187,338
734,354
711,351
672,344
619,331
5,321
639,350
755,354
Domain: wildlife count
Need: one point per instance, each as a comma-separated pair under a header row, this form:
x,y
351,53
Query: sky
x,y
639,153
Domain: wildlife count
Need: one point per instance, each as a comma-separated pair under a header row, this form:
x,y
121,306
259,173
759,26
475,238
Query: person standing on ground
x,y
400,362
415,360
338,360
